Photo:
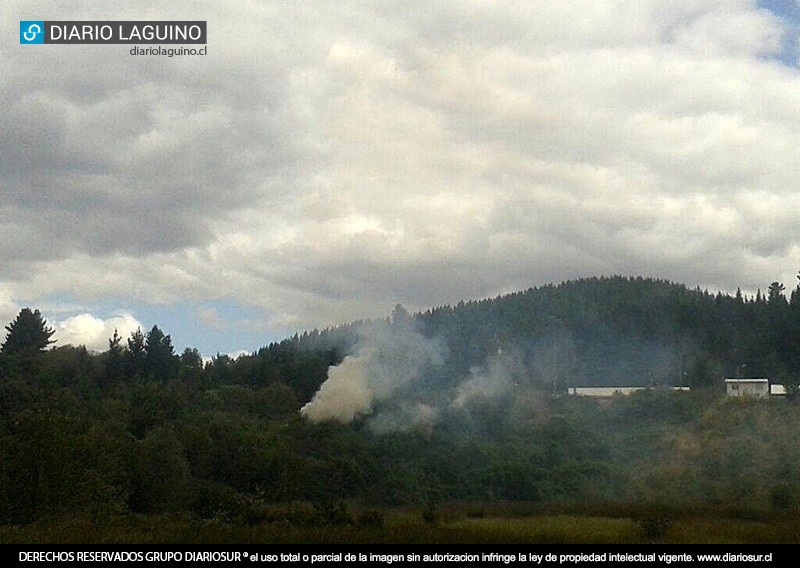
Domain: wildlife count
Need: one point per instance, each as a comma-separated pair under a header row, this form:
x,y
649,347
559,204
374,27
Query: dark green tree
x,y
775,294
114,360
28,333
160,359
161,480
191,366
135,357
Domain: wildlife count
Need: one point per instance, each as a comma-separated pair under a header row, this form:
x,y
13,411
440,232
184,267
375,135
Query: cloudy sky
x,y
327,160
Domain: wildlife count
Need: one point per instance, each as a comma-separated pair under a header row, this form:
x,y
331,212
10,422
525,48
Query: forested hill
x,y
600,331
605,331
629,331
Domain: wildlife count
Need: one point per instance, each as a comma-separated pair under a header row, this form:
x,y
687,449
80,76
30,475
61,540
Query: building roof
x,y
611,391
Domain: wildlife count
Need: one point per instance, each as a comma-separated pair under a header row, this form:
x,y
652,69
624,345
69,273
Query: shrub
x,y
654,525
781,497
371,518
430,514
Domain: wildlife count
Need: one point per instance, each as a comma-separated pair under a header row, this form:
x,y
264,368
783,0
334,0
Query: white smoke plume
x,y
496,380
389,358
347,392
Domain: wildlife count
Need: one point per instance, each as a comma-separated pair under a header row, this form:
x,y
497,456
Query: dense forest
x,y
460,403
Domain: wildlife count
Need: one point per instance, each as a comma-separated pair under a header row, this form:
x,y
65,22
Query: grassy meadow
x,y
447,524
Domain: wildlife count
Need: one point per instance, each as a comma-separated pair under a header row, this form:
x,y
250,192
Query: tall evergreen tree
x,y
114,359
28,333
160,356
776,290
136,354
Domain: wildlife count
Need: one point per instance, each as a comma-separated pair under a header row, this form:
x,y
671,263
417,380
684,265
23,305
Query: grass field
x,y
452,525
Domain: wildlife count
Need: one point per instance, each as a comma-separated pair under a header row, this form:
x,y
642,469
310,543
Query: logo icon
x,y
31,31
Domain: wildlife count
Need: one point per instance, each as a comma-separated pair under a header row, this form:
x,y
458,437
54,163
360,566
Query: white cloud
x,y
93,332
233,355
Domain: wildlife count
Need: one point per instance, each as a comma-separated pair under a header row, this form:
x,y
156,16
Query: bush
x,y
781,497
430,514
333,514
654,525
371,518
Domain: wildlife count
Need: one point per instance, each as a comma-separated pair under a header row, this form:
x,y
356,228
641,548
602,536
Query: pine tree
x,y
135,356
776,290
28,333
160,357
114,359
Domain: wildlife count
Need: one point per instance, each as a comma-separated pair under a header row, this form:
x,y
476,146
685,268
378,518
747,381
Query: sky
x,y
327,160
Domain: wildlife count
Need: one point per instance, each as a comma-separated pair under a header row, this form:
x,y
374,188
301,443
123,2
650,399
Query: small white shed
x,y
755,387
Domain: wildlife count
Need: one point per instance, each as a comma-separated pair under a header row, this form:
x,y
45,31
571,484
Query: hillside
x,y
611,331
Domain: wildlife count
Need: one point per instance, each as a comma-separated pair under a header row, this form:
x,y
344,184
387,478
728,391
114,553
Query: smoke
x,y
498,378
389,361
396,380
346,394
400,379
